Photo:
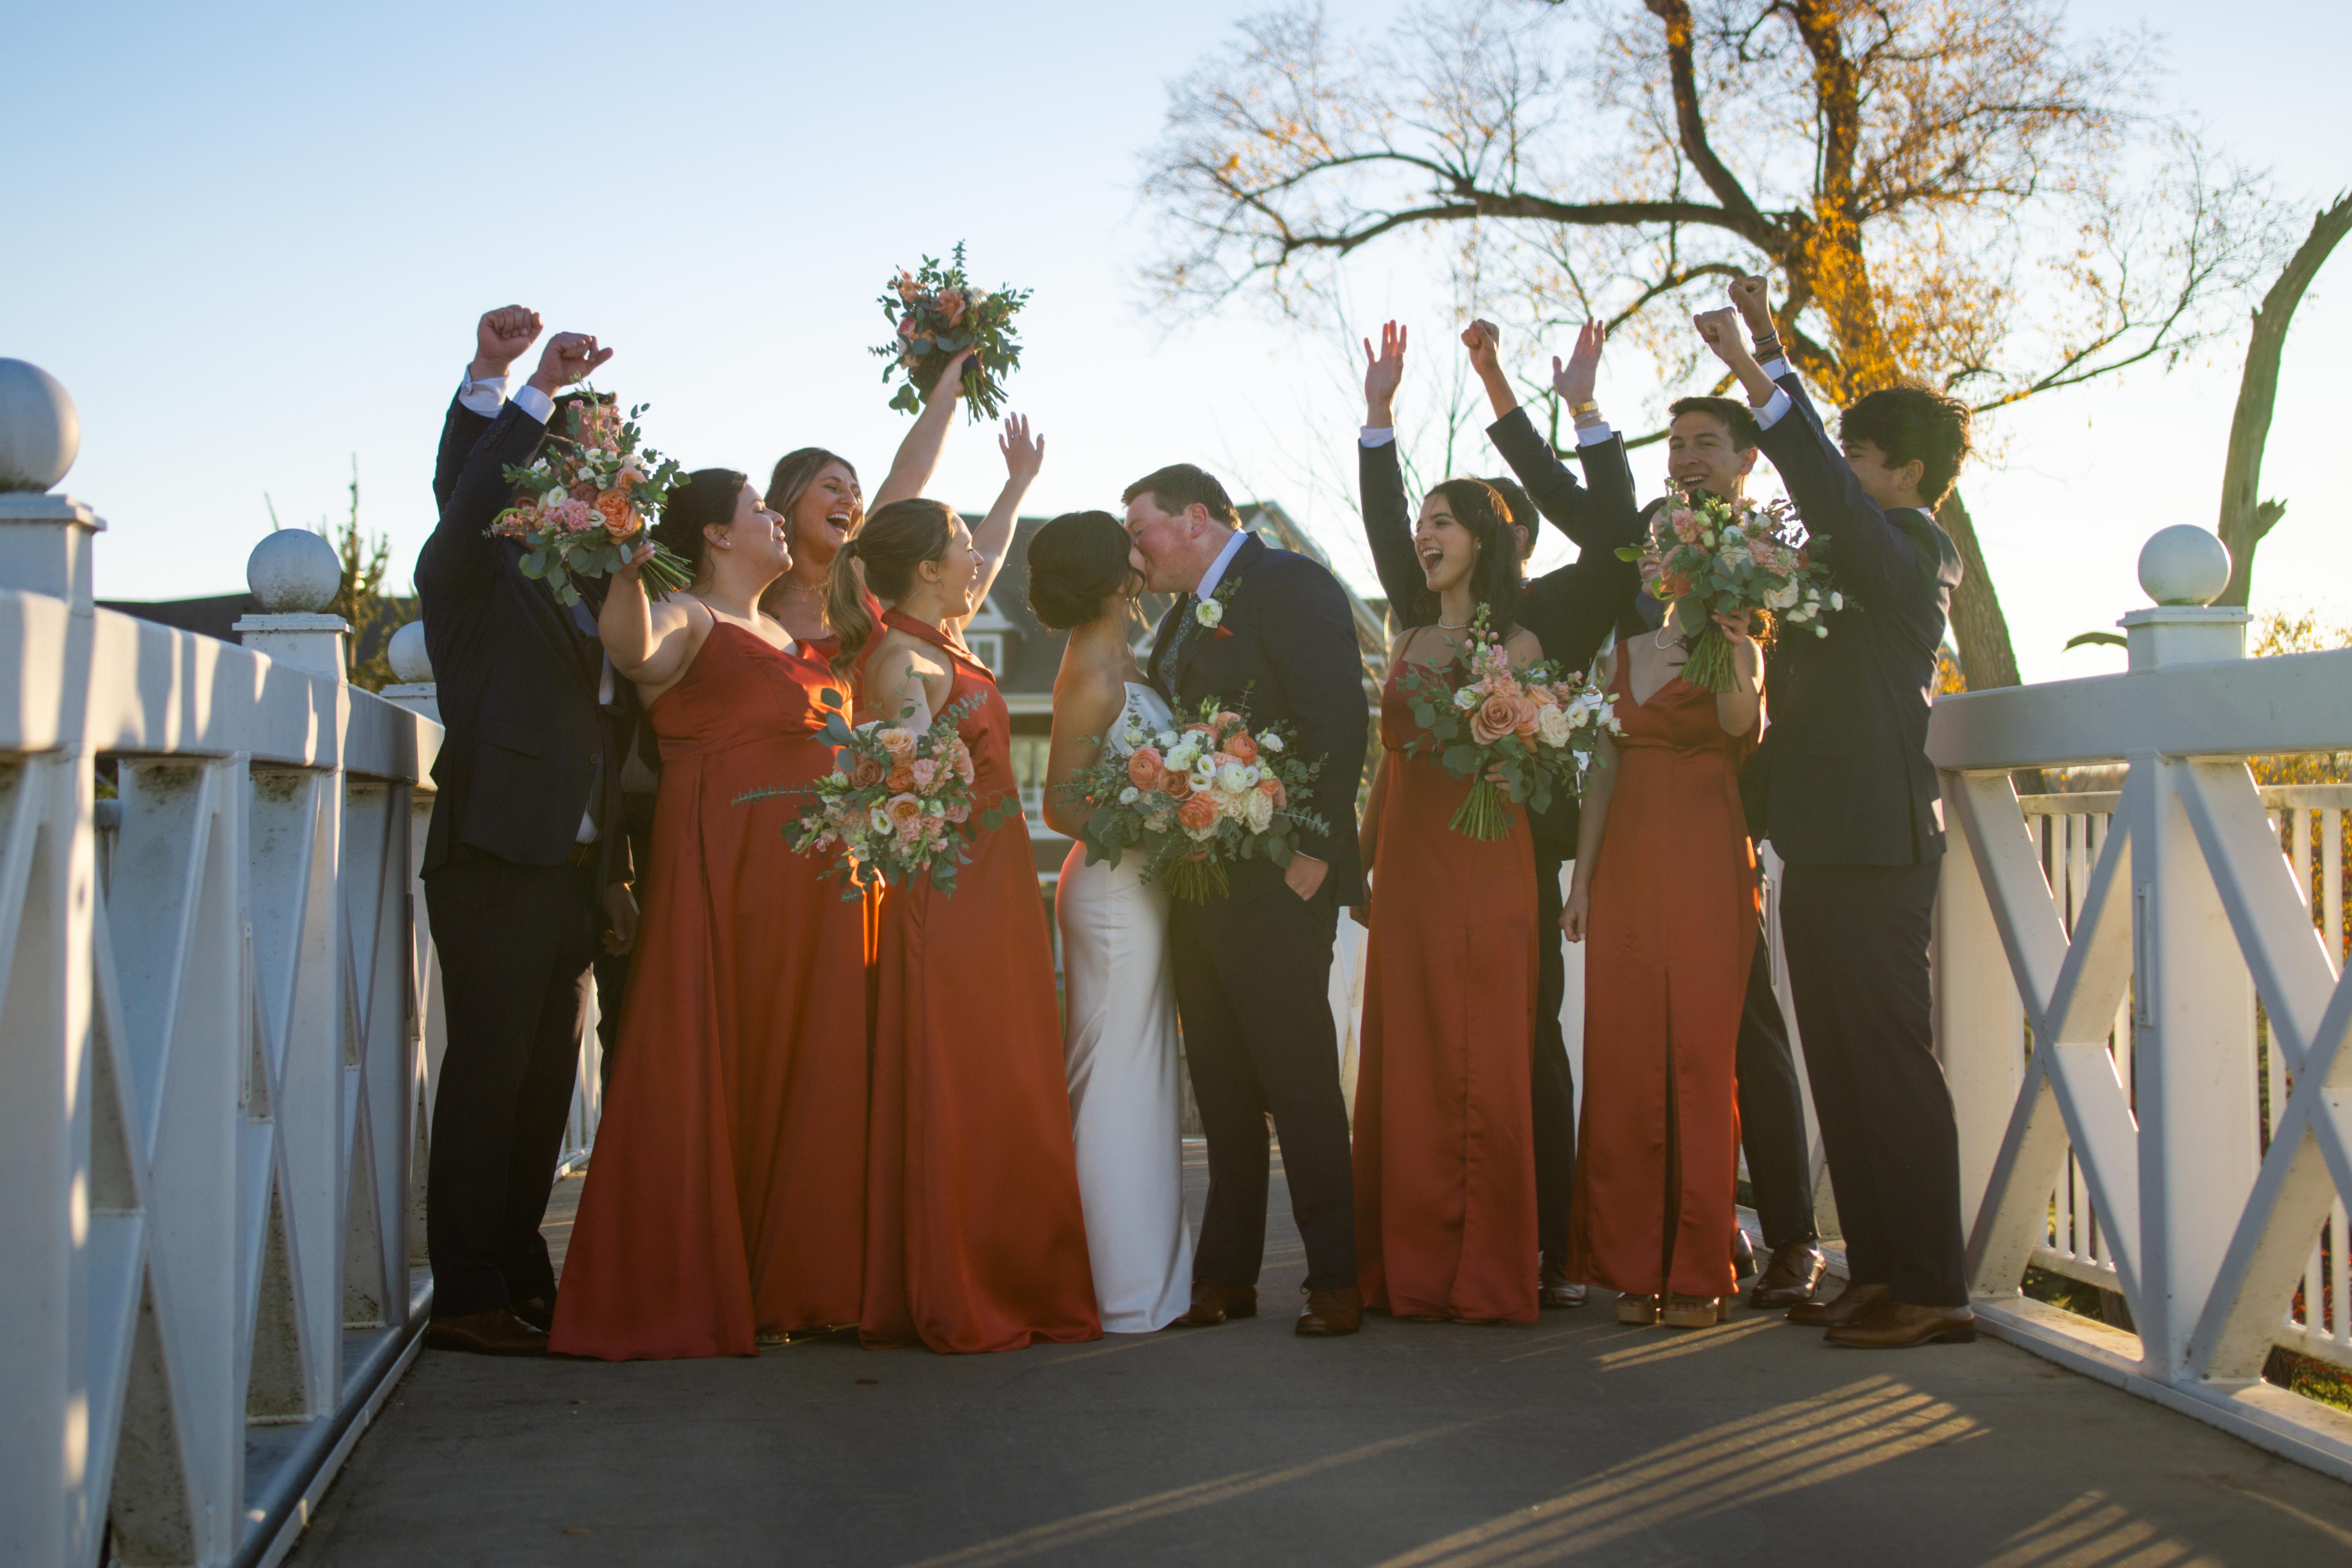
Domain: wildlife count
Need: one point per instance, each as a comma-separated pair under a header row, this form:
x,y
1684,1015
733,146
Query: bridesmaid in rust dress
x,y
1666,887
974,1239
1445,1140
726,1203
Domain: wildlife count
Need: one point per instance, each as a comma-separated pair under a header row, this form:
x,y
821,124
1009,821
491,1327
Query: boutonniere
x,y
1210,613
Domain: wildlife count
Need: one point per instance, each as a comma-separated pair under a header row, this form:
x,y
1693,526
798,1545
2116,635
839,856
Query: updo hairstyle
x,y
1076,562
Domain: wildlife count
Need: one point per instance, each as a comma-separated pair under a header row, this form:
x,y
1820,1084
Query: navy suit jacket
x,y
1846,779
527,747
1285,654
1570,610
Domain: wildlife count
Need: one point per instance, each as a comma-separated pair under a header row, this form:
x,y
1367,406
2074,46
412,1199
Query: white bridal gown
x,y
1121,1047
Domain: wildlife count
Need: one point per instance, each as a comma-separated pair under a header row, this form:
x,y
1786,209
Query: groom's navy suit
x,y
1852,807
511,890
1253,968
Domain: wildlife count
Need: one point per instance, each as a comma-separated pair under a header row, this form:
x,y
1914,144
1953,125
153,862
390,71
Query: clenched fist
x,y
500,339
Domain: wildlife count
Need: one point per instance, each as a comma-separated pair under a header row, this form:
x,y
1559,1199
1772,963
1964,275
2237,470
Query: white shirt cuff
x,y
537,404
1594,435
1777,366
485,397
1376,436
1772,413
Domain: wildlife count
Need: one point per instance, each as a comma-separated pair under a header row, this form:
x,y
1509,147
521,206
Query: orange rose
x,y
1176,786
1228,718
620,514
1199,729
1197,813
902,777
1500,715
865,772
1271,787
903,810
1145,767
898,741
950,305
1543,696
1240,747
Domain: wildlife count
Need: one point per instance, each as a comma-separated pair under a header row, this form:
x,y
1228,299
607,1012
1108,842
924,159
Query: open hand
x,y
568,357
1752,298
1383,369
1575,380
500,339
1024,454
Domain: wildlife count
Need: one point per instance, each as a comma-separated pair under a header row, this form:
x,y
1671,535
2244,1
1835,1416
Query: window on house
x,y
988,647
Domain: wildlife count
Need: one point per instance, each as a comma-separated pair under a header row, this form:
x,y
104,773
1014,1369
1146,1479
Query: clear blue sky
x,y
252,241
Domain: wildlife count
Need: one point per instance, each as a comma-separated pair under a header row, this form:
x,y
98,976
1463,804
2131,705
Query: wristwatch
x,y
1578,410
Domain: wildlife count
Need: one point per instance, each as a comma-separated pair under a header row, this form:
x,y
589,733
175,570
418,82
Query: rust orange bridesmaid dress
x,y
726,1197
974,1239
1445,1150
1673,930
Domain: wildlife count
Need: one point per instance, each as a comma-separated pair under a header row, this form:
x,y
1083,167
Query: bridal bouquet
x,y
587,498
1516,734
1727,558
935,314
1195,799
896,805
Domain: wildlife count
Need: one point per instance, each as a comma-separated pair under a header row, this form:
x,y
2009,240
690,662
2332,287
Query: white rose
x,y
1781,597
1209,614
1553,726
555,497
1269,743
1165,739
1257,806
1837,600
1465,699
1129,795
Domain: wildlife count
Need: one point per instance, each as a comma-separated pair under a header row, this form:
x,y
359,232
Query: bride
x,y
1120,1038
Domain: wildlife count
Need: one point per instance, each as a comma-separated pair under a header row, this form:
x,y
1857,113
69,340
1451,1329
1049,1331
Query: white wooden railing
x,y
212,1062
2140,1010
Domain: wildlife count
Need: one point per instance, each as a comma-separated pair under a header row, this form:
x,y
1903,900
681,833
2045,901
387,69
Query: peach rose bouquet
x,y
1195,798
935,314
1710,557
897,806
586,502
1517,735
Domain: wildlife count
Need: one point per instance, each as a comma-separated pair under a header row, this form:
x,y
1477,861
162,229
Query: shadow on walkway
x,y
1411,1446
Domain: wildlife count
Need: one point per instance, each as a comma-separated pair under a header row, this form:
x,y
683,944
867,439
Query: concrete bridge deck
x,y
1575,1440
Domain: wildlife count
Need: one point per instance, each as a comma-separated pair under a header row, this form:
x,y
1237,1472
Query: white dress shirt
x,y
1774,408
1216,571
1591,434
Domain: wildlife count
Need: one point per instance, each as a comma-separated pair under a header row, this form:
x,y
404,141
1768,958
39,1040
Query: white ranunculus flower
x,y
1129,795
1164,739
555,497
1204,777
1553,726
1269,743
1257,807
1209,614
1465,699
1234,778
1183,754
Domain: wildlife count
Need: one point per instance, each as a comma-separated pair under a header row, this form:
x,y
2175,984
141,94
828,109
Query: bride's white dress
x,y
1121,1047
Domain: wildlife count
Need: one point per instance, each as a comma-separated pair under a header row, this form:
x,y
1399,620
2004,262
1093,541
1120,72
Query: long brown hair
x,y
795,473
895,540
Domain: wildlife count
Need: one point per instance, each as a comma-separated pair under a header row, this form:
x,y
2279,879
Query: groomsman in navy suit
x,y
1253,968
525,861
1855,809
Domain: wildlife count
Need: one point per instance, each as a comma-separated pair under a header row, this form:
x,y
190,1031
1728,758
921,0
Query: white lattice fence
x,y
2140,1012
210,1058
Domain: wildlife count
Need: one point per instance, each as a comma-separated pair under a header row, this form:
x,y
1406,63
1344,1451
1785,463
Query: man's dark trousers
x,y
515,944
1857,939
1552,1080
1772,1111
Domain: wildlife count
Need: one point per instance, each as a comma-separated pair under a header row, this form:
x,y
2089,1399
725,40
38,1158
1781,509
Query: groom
x,y
1269,633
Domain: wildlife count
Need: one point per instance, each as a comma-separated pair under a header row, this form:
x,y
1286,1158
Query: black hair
x,y
1180,485
1076,562
897,539
704,499
1913,422
1494,577
1736,416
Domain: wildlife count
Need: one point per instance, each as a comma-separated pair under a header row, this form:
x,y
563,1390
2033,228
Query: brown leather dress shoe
x,y
1790,1277
538,1311
1554,1287
1892,1325
1331,1313
1843,1308
493,1332
1214,1303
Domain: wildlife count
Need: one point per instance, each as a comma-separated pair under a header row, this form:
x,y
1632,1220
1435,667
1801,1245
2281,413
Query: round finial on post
x,y
410,663
293,572
40,431
2184,564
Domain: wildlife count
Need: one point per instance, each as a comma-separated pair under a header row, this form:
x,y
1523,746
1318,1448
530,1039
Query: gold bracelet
x,y
1578,410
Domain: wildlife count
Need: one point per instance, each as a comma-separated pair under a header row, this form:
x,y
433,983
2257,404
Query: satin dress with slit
x,y
1445,1134
725,1201
974,1237
1673,930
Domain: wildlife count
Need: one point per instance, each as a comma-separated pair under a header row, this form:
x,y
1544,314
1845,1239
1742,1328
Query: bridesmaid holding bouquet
x,y
974,1240
1444,1140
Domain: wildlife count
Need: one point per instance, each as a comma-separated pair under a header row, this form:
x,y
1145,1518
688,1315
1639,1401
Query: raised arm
x,y
1388,514
919,454
500,337
1023,455
1596,520
651,644
1870,551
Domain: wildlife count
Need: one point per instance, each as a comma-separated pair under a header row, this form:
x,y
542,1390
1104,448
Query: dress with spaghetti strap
x,y
974,1237
725,1200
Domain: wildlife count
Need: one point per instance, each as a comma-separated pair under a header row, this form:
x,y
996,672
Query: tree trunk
x,y
1987,656
2245,516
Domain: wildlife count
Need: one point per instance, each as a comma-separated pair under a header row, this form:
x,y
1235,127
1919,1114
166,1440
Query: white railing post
x,y
1978,1018
417,692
